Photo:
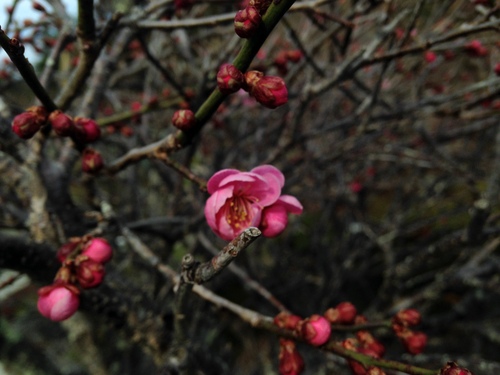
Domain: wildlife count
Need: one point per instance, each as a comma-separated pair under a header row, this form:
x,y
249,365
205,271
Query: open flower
x,y
238,200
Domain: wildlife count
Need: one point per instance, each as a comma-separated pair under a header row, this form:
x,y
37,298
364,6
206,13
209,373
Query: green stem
x,y
242,62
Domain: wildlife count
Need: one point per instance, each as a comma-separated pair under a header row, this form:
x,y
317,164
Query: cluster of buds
x,y
452,368
83,262
270,91
284,57
413,341
475,48
315,330
356,345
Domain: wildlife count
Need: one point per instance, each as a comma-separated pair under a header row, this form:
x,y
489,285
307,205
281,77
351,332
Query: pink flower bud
x,y
98,249
91,161
344,313
247,22
89,273
407,317
270,91
290,360
229,79
452,368
58,301
315,330
61,123
26,124
184,119
86,130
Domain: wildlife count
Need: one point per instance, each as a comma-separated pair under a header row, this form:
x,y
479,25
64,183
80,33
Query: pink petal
x,y
291,204
269,172
214,204
214,181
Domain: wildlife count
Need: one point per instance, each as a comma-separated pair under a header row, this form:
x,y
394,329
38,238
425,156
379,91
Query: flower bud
x,y
65,250
286,320
91,161
294,55
414,342
98,249
229,79
61,123
475,48
270,91
344,313
290,361
58,301
86,130
430,56
26,124
315,330
247,22
372,370
260,5
407,317
452,368
497,69
89,273
367,341
184,119
251,79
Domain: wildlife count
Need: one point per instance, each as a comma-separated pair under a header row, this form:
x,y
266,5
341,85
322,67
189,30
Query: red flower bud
x,y
86,130
290,361
184,119
497,69
315,330
430,56
260,5
58,301
344,313
367,341
414,342
269,91
407,317
288,321
26,124
61,123
91,161
372,370
247,22
89,273
294,55
476,48
66,249
452,368
229,79
37,6
98,249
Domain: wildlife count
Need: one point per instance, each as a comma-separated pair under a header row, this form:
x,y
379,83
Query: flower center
x,y
239,213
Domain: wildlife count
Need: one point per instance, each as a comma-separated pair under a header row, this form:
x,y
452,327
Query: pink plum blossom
x,y
98,249
58,301
248,199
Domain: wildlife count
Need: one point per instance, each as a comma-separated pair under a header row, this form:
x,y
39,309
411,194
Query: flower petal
x,y
274,220
291,204
270,172
214,181
214,204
